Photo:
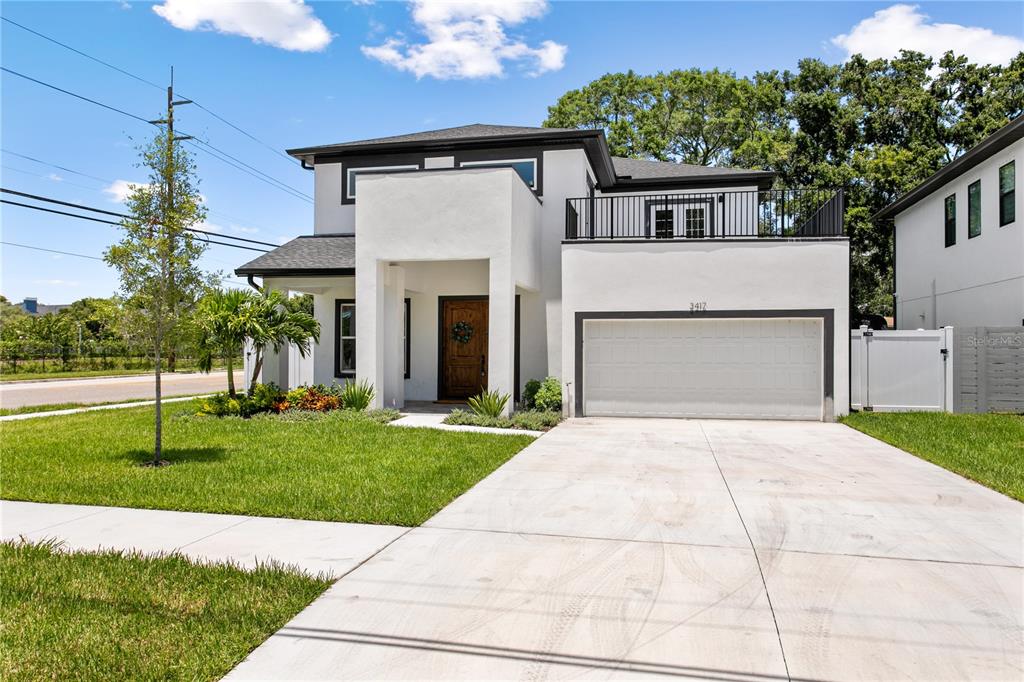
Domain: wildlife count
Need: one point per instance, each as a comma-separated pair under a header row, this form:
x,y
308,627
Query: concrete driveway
x,y
722,550
106,389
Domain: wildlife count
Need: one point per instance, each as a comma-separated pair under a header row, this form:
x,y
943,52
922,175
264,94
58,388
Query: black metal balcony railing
x,y
775,213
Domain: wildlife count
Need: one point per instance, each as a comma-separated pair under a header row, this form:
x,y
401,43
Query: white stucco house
x,y
959,240
446,262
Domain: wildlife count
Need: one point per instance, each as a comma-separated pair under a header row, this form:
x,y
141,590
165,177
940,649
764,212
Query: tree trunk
x,y
231,374
256,367
159,412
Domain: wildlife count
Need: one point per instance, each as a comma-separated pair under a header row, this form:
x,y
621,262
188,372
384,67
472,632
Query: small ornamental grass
x,y
488,404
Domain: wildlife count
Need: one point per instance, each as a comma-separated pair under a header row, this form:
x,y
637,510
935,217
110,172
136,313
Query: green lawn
x,y
338,466
118,617
33,409
987,448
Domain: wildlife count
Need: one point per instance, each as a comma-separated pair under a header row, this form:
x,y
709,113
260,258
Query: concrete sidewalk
x,y
314,546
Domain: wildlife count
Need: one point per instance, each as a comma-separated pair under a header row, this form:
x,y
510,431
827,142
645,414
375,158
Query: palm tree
x,y
271,322
220,318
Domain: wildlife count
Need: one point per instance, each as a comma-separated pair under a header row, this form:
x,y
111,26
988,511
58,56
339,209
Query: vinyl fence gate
x,y
902,370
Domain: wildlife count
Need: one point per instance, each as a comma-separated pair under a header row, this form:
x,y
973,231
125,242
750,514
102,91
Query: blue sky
x,y
296,75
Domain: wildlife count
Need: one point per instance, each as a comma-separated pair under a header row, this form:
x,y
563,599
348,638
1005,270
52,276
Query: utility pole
x,y
169,172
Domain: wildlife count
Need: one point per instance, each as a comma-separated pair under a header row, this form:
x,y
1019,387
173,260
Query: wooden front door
x,y
463,360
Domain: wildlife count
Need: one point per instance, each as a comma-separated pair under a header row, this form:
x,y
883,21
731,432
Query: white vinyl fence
x,y
901,370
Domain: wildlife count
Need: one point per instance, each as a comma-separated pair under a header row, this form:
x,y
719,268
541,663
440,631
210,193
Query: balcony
x,y
767,214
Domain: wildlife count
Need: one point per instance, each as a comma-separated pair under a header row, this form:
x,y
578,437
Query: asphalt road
x,y
106,389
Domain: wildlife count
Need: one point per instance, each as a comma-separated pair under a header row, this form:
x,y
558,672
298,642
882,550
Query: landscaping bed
x,y
987,448
340,465
530,420
113,616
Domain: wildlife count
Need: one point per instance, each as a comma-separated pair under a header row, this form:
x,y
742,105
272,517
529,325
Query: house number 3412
x,y
698,306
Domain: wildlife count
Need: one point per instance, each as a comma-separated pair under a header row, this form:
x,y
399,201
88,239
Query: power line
x,y
72,94
246,168
123,215
39,248
99,179
151,83
79,52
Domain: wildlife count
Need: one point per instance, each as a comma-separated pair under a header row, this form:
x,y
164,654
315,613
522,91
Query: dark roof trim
x,y
762,179
296,272
990,146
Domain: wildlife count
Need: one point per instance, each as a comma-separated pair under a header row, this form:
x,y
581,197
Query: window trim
x,y
703,221
976,183
1012,192
350,187
948,222
504,163
407,337
339,303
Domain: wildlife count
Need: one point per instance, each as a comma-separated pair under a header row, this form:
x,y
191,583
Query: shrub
x,y
488,403
549,396
316,399
466,418
534,420
296,394
268,398
356,395
221,405
530,393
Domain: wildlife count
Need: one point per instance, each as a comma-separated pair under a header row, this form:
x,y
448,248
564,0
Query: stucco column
x,y
370,284
275,365
501,332
394,349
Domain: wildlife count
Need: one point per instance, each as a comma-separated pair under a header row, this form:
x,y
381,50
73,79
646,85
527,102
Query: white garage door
x,y
729,368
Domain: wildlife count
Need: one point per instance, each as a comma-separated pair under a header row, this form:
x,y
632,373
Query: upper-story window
x,y
353,173
974,209
527,168
950,220
1007,194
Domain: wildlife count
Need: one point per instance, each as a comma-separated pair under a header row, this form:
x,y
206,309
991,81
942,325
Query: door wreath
x,y
462,332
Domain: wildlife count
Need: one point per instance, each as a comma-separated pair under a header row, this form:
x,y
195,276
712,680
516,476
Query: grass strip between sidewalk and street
x,y
114,616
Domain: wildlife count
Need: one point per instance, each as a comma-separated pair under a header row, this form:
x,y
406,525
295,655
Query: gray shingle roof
x,y
642,169
468,132
311,255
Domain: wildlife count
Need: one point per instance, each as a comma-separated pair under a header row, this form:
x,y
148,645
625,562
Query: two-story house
x,y
447,262
959,240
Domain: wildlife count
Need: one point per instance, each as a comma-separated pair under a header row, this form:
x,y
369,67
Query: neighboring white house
x,y
450,261
959,250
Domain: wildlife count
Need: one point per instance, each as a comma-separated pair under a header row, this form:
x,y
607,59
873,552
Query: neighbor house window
x,y
1007,194
663,220
354,173
345,338
694,223
974,209
527,168
950,220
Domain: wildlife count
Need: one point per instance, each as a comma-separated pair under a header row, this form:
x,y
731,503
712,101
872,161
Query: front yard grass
x,y
987,448
336,466
111,616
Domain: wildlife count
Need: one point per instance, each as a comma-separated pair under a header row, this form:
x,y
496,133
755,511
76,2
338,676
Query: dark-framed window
x,y
974,209
527,168
352,173
1007,193
695,222
406,336
345,337
663,223
950,215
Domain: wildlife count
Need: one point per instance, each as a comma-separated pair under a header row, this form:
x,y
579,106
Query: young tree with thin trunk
x,y
156,258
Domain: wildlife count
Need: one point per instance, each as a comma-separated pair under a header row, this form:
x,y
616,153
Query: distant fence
x,y
989,369
904,370
42,358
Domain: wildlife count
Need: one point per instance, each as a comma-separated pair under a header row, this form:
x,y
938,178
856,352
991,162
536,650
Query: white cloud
x,y
467,39
288,24
54,177
889,30
120,190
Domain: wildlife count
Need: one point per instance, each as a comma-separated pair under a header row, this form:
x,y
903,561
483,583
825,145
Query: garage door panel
x,y
755,368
